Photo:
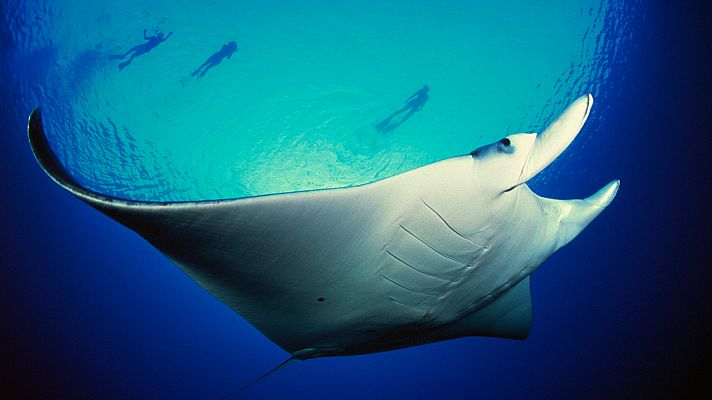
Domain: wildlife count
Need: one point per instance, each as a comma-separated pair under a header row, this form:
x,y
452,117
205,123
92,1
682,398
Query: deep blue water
x,y
89,310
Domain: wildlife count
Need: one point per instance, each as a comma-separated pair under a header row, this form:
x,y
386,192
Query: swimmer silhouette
x,y
143,48
413,104
226,51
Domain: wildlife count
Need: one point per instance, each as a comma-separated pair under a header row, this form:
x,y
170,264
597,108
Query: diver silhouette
x,y
413,104
226,51
143,48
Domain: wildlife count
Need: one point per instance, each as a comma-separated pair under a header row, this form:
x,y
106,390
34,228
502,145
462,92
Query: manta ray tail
x,y
266,374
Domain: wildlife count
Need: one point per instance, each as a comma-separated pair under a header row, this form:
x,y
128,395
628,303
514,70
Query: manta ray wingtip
x,y
45,155
43,152
50,164
34,127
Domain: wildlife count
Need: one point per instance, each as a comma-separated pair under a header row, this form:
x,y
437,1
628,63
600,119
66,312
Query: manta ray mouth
x,y
549,144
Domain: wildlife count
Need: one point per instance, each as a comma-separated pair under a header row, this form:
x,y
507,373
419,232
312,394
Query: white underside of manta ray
x,y
439,252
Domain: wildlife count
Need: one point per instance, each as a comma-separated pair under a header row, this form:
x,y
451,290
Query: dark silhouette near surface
x,y
413,104
226,51
143,48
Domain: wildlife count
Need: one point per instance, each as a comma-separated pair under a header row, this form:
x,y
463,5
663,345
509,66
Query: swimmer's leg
x,y
202,74
129,51
127,62
405,117
119,56
197,70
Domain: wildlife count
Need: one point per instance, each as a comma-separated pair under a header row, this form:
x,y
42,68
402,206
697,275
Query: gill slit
x,y
448,224
434,249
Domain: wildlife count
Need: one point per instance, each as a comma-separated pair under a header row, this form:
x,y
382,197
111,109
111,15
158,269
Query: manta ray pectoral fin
x,y
509,316
277,260
145,218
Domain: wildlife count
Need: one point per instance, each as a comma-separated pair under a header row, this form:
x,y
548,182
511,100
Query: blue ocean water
x,y
92,311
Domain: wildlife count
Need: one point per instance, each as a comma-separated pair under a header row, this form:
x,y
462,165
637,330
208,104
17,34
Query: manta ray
x,y
439,252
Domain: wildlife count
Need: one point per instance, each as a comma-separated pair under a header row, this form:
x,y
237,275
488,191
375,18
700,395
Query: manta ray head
x,y
515,159
493,178
504,167
500,165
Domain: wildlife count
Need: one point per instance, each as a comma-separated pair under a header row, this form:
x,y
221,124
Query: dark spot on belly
x,y
320,299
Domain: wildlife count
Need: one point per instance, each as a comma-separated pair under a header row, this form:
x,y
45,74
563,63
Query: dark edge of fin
x,y
53,168
266,374
49,162
46,157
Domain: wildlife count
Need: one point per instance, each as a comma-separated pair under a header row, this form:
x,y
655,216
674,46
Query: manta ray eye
x,y
505,146
502,146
